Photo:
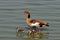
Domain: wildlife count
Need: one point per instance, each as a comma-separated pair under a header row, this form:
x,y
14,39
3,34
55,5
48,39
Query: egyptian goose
x,y
34,23
19,30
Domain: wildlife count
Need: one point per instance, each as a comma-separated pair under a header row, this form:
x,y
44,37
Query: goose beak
x,y
25,13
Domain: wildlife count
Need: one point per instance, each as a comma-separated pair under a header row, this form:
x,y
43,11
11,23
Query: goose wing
x,y
34,21
40,21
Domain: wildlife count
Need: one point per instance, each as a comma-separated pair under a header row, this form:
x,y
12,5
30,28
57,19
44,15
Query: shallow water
x,y
12,15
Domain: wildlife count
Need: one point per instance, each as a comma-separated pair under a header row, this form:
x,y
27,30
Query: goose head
x,y
27,13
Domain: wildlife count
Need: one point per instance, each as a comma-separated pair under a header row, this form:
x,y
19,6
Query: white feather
x,y
35,24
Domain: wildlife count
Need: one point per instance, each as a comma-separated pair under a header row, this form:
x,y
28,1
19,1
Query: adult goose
x,y
34,23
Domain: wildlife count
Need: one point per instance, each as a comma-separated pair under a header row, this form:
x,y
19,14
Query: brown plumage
x,y
35,22
19,30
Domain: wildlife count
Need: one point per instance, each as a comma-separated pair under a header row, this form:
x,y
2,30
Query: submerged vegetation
x,y
39,35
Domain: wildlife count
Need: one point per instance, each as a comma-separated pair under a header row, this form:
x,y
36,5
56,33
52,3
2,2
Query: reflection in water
x,y
19,34
37,35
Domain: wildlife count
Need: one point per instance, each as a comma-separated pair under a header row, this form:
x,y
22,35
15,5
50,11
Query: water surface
x,y
11,15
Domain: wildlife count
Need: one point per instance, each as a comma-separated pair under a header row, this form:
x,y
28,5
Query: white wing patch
x,y
35,24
